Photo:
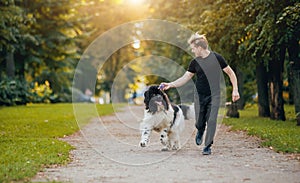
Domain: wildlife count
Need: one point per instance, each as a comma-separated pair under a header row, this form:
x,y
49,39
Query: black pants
x,y
206,110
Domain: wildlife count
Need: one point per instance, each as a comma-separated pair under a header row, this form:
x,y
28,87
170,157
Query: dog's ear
x,y
166,103
146,99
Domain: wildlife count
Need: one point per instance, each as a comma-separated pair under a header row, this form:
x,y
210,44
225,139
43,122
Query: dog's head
x,y
155,100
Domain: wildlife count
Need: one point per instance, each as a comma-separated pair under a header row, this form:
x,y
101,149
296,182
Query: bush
x,y
19,92
41,93
14,92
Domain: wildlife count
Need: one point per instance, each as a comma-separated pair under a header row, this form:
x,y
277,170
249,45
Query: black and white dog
x,y
163,117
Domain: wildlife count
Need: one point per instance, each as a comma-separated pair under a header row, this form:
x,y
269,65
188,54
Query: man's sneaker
x,y
206,150
199,138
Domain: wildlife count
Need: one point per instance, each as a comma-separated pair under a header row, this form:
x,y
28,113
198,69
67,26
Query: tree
x,y
56,52
104,16
12,34
269,41
223,22
262,41
262,90
290,20
224,29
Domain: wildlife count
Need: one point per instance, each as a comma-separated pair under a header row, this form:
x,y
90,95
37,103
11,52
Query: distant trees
x,y
12,35
253,36
41,43
274,31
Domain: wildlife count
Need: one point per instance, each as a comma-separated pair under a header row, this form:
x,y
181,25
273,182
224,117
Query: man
x,y
207,66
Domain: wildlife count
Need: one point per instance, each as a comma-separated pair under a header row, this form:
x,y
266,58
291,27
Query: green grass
x,y
29,136
282,136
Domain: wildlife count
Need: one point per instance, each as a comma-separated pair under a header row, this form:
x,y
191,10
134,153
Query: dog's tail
x,y
188,111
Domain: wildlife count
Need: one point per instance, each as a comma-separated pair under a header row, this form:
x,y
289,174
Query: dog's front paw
x,y
175,147
165,149
143,143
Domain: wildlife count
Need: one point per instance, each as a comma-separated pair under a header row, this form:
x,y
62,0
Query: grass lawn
x,y
29,136
282,136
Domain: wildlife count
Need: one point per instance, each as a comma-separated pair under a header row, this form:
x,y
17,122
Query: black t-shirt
x,y
208,71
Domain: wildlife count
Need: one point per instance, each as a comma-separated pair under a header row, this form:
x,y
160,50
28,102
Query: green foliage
x,y
249,91
11,26
43,38
13,92
29,143
47,37
41,93
275,25
281,136
290,20
54,57
245,32
19,92
14,34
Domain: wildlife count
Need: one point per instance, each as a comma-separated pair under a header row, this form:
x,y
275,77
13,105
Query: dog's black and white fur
x,y
188,111
163,117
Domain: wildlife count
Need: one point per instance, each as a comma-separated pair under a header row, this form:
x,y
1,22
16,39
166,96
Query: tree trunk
x,y
291,85
293,51
296,83
240,78
10,65
262,90
19,65
296,79
275,87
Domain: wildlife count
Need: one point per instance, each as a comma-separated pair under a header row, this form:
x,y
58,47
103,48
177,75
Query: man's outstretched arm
x,y
179,82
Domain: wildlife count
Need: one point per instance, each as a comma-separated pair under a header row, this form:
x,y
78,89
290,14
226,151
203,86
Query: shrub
x,y
19,92
14,92
41,93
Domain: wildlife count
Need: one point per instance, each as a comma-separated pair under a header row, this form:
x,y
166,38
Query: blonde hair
x,y
198,40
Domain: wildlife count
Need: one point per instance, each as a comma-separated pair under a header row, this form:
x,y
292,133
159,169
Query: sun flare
x,y
135,2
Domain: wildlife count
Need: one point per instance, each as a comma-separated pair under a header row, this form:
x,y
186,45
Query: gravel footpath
x,y
107,151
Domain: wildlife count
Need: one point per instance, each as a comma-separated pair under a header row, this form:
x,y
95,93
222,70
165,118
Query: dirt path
x,y
107,151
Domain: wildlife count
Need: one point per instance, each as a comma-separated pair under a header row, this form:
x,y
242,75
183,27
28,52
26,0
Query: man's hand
x,y
235,95
166,86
